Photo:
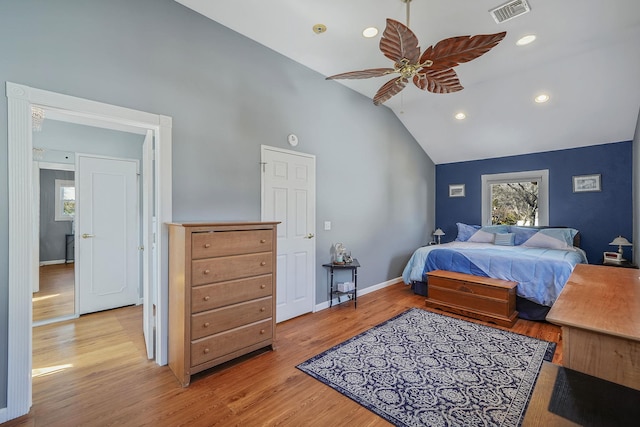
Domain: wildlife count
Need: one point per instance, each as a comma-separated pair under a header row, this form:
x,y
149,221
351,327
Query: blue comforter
x,y
540,273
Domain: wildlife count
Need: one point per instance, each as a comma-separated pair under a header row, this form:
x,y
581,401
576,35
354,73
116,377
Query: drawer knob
x,y
262,309
207,298
207,271
206,324
263,241
205,351
207,245
263,263
261,331
263,286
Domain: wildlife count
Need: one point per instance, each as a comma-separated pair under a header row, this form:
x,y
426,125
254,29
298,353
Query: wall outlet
x,y
327,225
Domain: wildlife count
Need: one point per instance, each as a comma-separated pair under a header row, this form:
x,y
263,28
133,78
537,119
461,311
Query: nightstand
x,y
624,264
353,294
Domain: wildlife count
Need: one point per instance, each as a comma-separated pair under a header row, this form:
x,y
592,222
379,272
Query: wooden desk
x,y
599,312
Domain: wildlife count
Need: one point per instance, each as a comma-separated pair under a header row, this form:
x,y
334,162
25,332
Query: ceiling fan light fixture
x,y
541,98
370,32
460,116
525,40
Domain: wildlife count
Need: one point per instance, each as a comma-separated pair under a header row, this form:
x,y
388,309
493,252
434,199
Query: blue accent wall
x,y
600,216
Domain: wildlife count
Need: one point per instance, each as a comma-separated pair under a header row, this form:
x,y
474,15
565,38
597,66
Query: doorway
x,y
21,101
54,207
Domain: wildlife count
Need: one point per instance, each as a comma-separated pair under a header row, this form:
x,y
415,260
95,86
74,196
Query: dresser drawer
x,y
213,270
229,317
207,297
211,347
222,243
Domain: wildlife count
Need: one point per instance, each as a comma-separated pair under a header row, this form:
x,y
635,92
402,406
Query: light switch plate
x,y
327,225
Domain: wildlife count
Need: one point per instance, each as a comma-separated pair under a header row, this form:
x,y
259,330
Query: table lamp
x,y
438,233
620,241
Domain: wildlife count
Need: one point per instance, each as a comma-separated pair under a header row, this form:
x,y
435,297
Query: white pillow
x,y
482,236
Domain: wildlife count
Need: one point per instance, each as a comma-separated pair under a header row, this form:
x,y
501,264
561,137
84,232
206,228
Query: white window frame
x,y
539,176
60,215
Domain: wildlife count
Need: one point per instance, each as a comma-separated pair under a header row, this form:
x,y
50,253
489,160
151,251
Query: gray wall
x,y
227,96
52,232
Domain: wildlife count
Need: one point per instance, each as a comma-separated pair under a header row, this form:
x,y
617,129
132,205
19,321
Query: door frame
x,y
20,99
263,148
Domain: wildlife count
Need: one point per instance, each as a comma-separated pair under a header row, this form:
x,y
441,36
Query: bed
x,y
539,259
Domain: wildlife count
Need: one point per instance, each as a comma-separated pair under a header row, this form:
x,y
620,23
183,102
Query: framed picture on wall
x,y
585,183
456,190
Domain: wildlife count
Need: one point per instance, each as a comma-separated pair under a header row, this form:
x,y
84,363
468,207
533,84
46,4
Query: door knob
x,y
86,236
309,236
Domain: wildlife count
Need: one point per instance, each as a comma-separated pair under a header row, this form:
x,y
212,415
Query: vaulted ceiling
x,y
586,57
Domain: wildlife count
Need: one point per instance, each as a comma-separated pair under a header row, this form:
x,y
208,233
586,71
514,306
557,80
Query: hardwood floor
x,y
94,371
56,295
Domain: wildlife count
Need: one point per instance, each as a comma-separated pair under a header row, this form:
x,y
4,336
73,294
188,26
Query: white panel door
x,y
289,197
108,260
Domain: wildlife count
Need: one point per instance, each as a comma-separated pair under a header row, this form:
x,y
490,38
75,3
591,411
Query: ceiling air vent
x,y
509,10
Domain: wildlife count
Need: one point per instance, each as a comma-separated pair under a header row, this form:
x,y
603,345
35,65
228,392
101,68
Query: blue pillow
x,y
504,239
552,238
495,228
465,231
522,234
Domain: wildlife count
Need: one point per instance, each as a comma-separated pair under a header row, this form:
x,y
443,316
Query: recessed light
x,y
460,116
370,32
319,28
526,40
543,97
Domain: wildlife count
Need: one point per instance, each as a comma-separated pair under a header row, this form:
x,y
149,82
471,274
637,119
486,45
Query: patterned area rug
x,y
422,368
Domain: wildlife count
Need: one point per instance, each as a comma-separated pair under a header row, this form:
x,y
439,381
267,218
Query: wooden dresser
x,y
484,298
222,293
599,312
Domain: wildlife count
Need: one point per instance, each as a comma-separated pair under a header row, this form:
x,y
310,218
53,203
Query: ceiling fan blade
x,y
398,42
450,52
390,88
438,81
364,74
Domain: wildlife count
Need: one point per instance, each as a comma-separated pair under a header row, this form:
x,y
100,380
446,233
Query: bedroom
x,y
158,57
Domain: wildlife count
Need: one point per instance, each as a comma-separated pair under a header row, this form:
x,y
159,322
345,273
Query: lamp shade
x,y
439,232
620,241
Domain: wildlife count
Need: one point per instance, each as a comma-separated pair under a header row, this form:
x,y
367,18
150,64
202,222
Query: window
x,y
65,200
517,198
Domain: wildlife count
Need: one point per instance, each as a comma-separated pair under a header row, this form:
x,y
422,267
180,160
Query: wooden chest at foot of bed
x,y
483,298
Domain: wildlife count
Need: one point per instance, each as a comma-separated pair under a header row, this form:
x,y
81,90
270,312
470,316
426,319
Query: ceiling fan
x,y
433,70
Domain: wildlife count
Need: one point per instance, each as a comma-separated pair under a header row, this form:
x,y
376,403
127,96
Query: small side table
x,y
353,266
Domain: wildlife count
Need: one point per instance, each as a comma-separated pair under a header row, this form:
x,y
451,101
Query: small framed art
x,y
585,183
456,190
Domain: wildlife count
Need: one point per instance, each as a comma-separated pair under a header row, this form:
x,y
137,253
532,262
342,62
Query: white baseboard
x,y
53,261
361,291
3,415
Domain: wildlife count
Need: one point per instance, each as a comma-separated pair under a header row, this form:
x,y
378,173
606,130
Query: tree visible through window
x,y
516,198
514,203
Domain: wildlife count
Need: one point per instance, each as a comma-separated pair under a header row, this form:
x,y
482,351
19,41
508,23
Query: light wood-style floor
x,y
56,296
93,371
